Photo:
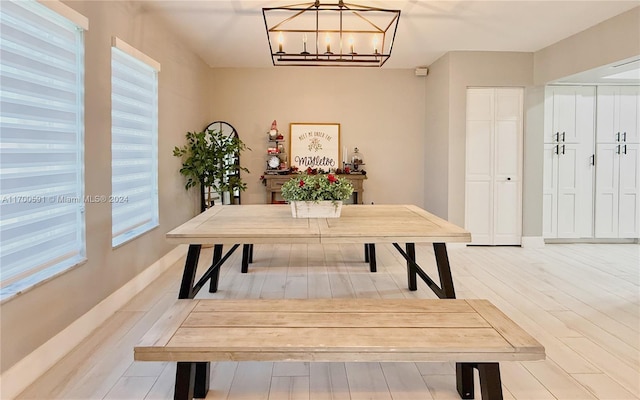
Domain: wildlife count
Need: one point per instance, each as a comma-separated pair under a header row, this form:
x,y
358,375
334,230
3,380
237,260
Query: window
x,y
41,142
134,143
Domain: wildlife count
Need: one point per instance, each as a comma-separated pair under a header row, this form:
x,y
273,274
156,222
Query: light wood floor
x,y
581,301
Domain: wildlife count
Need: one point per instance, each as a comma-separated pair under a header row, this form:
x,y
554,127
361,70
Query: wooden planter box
x,y
321,209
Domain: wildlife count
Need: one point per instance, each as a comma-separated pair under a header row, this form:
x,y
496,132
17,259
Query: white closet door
x,y
573,114
479,165
507,167
568,191
629,110
607,178
618,114
493,167
550,191
629,193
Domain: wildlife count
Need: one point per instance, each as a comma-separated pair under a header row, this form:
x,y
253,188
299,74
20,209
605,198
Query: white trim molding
x,y
67,12
135,53
17,378
532,242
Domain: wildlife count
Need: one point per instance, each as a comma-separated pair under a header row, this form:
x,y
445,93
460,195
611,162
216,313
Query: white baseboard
x,y
532,242
17,378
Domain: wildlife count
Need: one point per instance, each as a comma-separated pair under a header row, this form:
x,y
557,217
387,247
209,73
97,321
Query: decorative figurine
x,y
273,132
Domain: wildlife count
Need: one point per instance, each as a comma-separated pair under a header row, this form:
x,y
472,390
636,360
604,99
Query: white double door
x,y
568,162
618,163
493,190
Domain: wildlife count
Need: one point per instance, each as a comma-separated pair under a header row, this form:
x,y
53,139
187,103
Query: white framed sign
x,y
315,145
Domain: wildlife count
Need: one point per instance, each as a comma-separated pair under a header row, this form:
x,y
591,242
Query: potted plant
x,y
316,195
210,159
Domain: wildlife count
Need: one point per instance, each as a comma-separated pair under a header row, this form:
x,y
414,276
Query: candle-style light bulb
x,y
351,44
375,44
304,43
280,41
327,40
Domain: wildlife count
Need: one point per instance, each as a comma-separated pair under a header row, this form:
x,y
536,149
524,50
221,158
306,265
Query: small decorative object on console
x,y
277,161
273,132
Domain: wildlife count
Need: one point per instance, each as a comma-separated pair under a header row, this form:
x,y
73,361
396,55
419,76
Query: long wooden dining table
x,y
246,225
272,224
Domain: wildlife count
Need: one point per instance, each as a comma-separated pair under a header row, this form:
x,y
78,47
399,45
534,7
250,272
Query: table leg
x,y
412,275
250,253
215,276
366,252
373,267
189,274
444,270
246,256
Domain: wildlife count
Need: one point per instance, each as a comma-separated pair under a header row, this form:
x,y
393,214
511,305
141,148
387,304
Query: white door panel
x,y
507,160
507,217
550,192
479,211
629,193
572,113
479,159
606,202
607,120
628,104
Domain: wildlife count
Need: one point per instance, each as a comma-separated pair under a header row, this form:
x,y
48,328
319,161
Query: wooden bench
x,y
473,333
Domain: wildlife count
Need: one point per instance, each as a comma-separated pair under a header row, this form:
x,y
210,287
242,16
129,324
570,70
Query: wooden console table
x,y
274,186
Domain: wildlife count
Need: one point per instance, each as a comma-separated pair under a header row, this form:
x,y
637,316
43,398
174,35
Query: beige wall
x,y
35,316
380,111
436,146
615,39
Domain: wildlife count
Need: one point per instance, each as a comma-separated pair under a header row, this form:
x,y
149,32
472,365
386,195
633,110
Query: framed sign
x,y
315,145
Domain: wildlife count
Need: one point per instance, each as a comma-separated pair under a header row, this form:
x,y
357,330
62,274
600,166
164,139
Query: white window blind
x,y
134,144
41,144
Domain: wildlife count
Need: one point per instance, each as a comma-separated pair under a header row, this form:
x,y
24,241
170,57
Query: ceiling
x,y
231,34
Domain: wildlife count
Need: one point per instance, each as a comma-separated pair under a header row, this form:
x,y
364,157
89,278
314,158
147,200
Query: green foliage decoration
x,y
311,187
209,160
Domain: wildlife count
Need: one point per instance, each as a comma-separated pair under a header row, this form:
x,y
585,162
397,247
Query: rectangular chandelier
x,y
330,35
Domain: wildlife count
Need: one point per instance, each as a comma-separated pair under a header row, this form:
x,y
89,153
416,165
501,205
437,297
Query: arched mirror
x,y
231,174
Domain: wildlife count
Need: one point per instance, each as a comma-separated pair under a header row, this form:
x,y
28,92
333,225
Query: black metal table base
x,y
192,378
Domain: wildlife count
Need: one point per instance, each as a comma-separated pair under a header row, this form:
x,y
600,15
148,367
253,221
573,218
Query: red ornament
x,y
301,184
332,178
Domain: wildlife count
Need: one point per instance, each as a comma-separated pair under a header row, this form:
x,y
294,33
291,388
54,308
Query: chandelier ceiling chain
x,y
343,34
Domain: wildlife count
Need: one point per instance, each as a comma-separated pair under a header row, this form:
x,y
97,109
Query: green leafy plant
x,y
210,159
311,187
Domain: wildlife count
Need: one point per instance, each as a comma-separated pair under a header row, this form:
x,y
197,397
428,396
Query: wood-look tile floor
x,y
581,301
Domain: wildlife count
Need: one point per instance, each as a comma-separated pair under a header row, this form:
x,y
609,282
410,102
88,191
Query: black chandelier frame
x,y
315,56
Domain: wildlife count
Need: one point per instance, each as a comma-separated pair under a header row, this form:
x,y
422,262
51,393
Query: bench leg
x,y
215,277
185,381
366,252
201,387
490,383
464,380
251,254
